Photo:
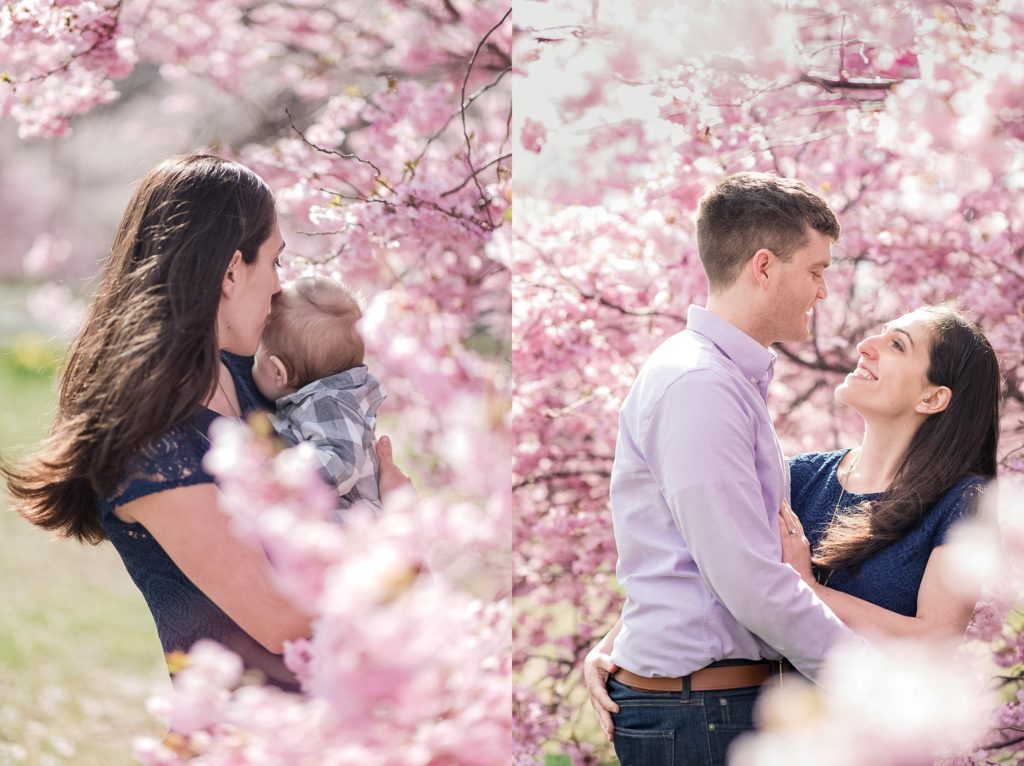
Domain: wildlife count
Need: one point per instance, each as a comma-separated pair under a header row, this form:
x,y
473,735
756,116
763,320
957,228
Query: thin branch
x,y
811,364
472,98
322,233
378,200
531,480
864,184
601,300
465,131
453,12
503,57
482,167
831,85
377,171
414,202
819,383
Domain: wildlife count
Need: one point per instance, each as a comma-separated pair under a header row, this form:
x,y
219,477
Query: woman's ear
x,y
231,276
935,402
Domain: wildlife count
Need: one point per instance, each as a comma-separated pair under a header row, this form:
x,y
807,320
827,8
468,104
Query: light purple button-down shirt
x,y
695,492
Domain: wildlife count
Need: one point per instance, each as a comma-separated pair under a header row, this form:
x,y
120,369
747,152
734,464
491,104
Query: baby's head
x,y
310,334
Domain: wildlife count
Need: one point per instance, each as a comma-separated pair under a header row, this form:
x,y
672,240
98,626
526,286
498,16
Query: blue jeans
x,y
679,728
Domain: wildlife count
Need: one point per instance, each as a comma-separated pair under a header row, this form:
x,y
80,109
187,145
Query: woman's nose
x,y
869,347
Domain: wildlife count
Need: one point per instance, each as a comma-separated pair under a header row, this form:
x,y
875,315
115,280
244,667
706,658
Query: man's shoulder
x,y
687,368
688,358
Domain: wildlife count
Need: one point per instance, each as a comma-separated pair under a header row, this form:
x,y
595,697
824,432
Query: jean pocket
x,y
735,711
644,747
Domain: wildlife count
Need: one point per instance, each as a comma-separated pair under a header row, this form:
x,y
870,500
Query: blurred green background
x,y
79,654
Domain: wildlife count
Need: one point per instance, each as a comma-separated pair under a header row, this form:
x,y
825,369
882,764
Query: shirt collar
x,y
756,362
359,382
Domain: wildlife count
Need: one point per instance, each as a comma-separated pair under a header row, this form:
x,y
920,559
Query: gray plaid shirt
x,y
337,415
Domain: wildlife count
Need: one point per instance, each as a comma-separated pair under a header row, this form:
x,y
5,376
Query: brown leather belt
x,y
706,679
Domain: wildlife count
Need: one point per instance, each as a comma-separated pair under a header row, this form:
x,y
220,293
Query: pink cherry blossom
x,y
905,117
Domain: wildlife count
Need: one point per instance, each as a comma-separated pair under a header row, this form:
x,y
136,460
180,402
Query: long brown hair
x,y
948,446
146,356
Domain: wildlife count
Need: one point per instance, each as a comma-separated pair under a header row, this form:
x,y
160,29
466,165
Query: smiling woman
x,y
165,349
927,389
877,517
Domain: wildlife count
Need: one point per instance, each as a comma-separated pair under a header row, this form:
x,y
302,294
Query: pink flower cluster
x,y
59,60
409,662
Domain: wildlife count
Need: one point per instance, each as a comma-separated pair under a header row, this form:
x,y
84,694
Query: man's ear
x,y
231,276
760,266
279,370
935,402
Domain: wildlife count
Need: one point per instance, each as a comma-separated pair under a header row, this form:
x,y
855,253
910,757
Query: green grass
x,y
79,653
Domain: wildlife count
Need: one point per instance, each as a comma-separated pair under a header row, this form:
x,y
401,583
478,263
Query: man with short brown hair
x,y
696,487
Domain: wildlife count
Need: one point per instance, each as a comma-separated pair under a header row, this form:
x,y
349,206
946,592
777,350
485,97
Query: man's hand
x,y
596,669
796,548
391,476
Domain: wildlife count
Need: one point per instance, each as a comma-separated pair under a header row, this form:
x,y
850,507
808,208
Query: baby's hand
x,y
391,476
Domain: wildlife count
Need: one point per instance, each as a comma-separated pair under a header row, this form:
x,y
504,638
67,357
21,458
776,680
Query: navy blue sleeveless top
x,y
183,614
892,577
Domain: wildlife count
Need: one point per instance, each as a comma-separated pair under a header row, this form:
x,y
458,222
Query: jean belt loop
x,y
686,688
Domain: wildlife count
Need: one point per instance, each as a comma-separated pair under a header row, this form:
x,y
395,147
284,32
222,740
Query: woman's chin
x,y
844,395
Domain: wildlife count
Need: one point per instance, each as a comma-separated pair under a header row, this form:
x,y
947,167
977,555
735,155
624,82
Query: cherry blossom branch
x,y
811,364
485,200
544,478
503,56
601,300
106,32
440,131
453,12
818,385
378,175
411,200
831,84
482,167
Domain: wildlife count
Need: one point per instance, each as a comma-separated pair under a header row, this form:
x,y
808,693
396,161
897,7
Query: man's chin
x,y
798,335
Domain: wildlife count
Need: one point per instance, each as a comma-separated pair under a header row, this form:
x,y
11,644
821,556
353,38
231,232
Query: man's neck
x,y
736,312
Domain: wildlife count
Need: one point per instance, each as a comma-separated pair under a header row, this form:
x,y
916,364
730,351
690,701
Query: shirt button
x,y
754,381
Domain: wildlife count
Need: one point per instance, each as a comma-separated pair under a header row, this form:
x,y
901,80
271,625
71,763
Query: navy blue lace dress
x,y
183,614
892,577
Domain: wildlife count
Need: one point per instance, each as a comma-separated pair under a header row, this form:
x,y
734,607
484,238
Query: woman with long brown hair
x,y
165,349
876,516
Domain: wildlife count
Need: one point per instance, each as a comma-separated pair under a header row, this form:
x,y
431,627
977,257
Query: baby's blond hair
x,y
312,330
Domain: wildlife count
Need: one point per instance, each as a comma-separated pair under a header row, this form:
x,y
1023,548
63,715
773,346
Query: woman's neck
x,y
878,458
224,400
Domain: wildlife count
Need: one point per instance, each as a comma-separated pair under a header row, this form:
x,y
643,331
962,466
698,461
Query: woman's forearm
x,y
865,617
942,612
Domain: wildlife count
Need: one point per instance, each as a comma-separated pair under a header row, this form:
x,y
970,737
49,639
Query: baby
x,y
310,362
